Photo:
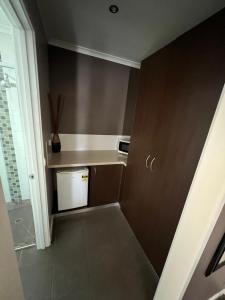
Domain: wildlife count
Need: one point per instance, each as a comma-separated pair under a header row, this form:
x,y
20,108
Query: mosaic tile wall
x,y
6,140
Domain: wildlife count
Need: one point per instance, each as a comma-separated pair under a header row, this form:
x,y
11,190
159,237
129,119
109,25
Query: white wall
x,y
81,142
203,206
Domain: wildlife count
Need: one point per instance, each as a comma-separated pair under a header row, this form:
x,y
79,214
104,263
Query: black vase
x,y
56,145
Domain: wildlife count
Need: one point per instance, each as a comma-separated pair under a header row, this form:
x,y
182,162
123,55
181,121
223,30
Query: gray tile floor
x,y
94,256
22,224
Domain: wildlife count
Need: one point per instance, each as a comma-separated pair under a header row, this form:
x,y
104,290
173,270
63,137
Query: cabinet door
x,y
191,95
105,183
189,92
149,225
136,195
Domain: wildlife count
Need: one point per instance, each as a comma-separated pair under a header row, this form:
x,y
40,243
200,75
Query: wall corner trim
x,y
94,53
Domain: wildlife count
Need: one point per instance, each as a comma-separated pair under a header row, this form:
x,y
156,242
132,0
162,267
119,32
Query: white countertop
x,y
67,159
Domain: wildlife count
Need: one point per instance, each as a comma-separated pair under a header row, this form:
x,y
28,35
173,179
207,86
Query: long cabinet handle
x,y
146,161
151,164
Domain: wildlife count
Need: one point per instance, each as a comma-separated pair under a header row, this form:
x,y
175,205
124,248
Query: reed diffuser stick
x,y
55,120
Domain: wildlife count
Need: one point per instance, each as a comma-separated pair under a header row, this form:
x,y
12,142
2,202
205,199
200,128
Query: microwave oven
x,y
123,146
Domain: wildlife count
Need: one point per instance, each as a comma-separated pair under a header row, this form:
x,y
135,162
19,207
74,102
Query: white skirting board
x,y
82,142
85,209
216,296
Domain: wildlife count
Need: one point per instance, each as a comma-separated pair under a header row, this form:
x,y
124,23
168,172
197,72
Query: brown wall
x,y
43,74
201,287
132,95
95,92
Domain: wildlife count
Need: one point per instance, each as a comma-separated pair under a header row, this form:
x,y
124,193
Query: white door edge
x,y
28,89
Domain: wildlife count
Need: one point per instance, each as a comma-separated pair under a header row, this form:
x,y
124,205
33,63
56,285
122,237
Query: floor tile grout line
x,y
92,297
54,239
52,283
20,258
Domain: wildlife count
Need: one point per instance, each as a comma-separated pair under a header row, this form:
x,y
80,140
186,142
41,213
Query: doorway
x,y
22,163
13,160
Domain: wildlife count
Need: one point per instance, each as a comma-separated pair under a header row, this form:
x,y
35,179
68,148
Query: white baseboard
x,y
85,209
216,296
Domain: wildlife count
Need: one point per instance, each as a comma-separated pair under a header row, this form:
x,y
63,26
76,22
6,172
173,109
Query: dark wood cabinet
x,y
180,86
104,184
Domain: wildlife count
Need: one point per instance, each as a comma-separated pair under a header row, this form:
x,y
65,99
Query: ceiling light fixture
x,y
113,9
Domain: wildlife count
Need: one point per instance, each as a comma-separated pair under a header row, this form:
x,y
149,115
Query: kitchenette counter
x,y
67,159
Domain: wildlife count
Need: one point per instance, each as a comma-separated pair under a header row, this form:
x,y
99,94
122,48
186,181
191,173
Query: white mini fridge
x,y
72,187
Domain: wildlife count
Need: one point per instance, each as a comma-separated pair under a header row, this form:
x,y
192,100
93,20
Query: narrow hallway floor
x,y
94,255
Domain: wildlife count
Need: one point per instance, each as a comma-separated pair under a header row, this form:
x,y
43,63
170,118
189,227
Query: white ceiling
x,y
140,28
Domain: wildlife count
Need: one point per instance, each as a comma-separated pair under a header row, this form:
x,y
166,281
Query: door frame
x,y
29,95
